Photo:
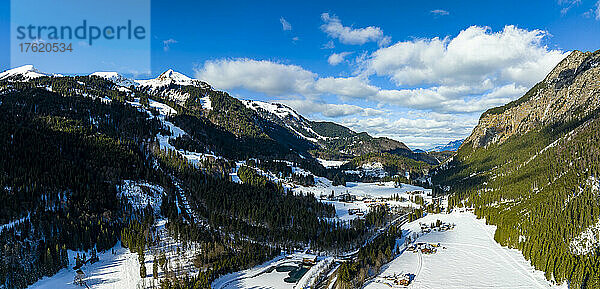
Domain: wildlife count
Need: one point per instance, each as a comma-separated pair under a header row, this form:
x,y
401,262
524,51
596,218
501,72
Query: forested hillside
x,y
532,168
69,144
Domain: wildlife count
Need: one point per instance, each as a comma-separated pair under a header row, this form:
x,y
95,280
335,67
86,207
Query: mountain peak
x,y
173,75
450,146
26,71
169,77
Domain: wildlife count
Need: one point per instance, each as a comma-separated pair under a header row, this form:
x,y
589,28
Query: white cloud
x,y
352,87
439,12
597,10
357,36
451,99
438,87
416,129
257,75
167,44
337,58
286,26
471,72
567,5
474,55
316,108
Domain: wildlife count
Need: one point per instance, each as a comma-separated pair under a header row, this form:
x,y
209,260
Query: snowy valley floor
x,y
467,258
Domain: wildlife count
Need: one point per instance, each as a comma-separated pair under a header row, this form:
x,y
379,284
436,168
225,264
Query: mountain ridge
x,y
547,102
185,91
531,168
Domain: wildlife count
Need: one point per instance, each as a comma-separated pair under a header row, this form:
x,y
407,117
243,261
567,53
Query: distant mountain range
x,y
278,127
451,146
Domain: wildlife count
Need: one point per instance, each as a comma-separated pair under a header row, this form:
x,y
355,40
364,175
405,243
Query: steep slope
x,y
70,146
531,167
570,91
266,122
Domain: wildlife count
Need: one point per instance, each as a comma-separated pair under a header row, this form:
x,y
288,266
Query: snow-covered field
x,y
362,191
373,190
331,164
468,258
113,271
341,209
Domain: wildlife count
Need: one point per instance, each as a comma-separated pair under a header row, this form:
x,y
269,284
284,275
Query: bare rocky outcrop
x,y
571,90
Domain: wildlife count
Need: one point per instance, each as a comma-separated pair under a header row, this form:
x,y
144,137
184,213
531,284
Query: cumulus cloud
x,y
357,36
416,129
439,12
474,55
470,72
456,77
337,58
167,44
347,87
257,75
286,26
317,108
451,99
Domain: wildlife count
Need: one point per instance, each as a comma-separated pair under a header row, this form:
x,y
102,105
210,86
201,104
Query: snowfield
x,y
116,78
164,111
467,258
341,209
278,109
373,190
363,192
113,271
331,164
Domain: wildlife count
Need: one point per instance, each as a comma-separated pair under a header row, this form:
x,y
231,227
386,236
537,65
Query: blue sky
x,y
418,72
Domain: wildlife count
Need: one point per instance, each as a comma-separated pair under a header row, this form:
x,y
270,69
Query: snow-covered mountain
x,y
285,116
249,118
168,85
451,146
115,77
170,77
25,72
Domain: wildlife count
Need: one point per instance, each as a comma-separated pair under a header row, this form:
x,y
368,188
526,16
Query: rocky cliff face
x,y
571,90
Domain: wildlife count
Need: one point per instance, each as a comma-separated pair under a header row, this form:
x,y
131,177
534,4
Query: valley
x,y
174,184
